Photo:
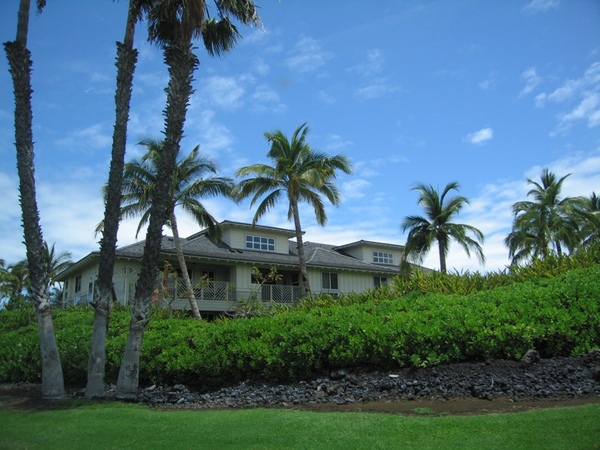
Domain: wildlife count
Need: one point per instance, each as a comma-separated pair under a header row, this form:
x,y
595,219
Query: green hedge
x,y
558,317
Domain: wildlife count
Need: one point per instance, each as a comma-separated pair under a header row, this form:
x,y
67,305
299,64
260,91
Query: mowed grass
x,y
119,426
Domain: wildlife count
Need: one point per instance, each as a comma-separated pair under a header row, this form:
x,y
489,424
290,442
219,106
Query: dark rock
x,y
531,357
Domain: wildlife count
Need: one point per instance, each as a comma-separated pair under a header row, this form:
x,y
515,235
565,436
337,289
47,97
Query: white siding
x,y
237,238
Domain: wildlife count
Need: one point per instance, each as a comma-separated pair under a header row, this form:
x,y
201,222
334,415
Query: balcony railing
x,y
205,290
226,291
280,293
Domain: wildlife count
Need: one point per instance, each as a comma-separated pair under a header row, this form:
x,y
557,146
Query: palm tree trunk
x,y
442,253
184,270
305,285
182,63
126,60
19,59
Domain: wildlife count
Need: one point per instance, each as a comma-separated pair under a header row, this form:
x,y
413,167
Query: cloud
x,y
536,6
582,94
307,56
355,188
378,89
266,99
479,137
532,80
372,64
91,137
224,92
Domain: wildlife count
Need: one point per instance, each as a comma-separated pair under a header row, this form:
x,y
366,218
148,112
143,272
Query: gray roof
x,y
200,246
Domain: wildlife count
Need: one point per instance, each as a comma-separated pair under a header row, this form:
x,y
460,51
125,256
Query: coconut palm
x,y
19,59
173,25
56,262
188,185
126,60
590,223
298,172
547,224
436,226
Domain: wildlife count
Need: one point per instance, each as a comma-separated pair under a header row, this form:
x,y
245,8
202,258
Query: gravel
x,y
532,377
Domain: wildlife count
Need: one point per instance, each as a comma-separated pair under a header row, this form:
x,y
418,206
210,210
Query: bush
x,y
557,316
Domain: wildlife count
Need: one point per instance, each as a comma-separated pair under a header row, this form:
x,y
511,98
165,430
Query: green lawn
x,y
113,425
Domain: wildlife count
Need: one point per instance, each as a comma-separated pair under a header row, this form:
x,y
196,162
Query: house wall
x,y
365,253
347,281
82,295
236,238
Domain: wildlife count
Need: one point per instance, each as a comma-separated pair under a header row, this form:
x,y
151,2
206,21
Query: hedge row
x,y
558,317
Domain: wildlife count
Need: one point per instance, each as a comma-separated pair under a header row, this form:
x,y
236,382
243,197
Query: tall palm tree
x,y
546,224
298,172
19,59
173,25
126,60
590,223
188,185
436,226
56,262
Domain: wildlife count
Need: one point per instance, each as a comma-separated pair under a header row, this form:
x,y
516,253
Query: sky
x,y
485,93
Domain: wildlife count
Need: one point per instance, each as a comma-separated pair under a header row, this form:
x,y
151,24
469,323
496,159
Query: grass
x,y
115,426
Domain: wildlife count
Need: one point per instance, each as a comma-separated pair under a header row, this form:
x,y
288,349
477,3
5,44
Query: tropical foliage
x,y
173,25
298,174
189,184
437,226
549,224
557,316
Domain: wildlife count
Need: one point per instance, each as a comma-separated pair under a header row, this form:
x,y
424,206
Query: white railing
x,y
280,293
205,290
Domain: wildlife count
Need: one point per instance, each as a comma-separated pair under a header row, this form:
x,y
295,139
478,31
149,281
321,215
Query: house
x,y
222,273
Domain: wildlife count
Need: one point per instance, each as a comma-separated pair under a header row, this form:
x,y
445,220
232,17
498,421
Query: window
x,y
330,281
383,258
380,281
78,283
260,243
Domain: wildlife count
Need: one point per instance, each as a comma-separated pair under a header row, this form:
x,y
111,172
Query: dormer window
x,y
383,258
260,243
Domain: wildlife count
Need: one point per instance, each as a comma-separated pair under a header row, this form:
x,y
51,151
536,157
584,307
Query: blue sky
x,y
485,93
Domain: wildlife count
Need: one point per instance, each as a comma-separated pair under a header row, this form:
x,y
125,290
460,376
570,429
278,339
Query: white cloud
x,y
535,6
307,56
480,136
355,188
532,80
372,64
94,137
266,99
377,89
224,92
582,93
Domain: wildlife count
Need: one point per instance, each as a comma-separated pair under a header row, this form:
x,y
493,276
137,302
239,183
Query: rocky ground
x,y
491,386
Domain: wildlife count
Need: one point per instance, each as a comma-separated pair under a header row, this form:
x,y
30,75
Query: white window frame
x,y
383,258
263,243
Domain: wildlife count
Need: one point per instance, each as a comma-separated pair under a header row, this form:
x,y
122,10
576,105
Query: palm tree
x,y
546,224
300,173
19,59
14,285
55,262
436,226
173,24
188,185
126,60
590,222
